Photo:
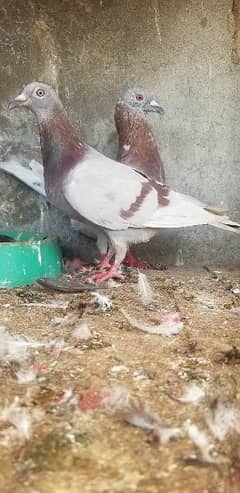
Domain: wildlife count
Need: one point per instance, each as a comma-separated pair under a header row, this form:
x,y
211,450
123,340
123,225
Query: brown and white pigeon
x,y
123,204
137,148
137,145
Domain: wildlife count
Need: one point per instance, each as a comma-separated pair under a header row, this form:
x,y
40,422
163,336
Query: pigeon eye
x,y
40,93
139,97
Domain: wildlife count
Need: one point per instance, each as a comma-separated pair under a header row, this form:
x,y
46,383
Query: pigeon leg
x,y
118,249
132,261
112,273
105,261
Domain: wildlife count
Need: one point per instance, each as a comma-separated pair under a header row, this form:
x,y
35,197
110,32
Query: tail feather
x,y
219,211
31,177
184,211
228,225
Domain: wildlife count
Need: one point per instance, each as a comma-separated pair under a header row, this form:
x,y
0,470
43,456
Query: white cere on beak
x,y
21,98
154,103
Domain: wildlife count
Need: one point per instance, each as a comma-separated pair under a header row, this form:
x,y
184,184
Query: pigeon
x,y
120,202
137,148
137,145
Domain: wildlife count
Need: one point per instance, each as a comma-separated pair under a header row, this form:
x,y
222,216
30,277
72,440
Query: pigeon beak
x,y
154,107
17,102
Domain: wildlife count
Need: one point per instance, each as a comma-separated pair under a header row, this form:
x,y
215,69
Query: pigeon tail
x,y
184,211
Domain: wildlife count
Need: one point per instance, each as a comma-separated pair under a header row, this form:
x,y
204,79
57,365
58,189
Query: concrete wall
x,y
186,51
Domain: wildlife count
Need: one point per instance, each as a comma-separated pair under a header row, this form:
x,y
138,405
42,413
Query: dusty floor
x,y
71,450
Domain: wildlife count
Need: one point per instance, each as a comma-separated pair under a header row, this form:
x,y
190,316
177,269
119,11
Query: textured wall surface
x,y
186,51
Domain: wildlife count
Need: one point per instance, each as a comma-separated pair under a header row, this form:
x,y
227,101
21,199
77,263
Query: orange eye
x,y
139,97
40,93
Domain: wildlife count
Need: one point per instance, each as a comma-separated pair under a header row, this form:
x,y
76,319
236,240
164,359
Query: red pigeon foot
x,y
112,273
105,262
132,261
76,265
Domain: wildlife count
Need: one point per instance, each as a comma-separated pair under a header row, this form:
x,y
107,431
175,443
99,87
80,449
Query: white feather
x,y
201,441
192,395
223,420
21,418
82,331
167,328
102,301
136,413
145,290
26,375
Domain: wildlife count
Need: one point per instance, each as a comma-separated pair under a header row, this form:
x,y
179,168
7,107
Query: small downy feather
x,y
26,375
207,452
21,420
223,420
171,324
82,331
136,413
145,290
15,347
193,395
103,302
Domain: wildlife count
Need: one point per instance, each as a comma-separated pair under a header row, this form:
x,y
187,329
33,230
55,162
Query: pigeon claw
x,y
112,273
132,261
105,262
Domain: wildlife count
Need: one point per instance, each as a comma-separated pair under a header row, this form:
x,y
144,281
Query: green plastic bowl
x,y
30,257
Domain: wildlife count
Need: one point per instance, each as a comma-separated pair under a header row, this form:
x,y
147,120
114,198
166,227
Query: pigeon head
x,y
37,97
140,100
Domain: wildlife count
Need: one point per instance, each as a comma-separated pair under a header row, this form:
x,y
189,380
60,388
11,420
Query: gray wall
x,y
185,51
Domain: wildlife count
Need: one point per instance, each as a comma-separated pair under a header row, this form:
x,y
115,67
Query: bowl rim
x,y
46,238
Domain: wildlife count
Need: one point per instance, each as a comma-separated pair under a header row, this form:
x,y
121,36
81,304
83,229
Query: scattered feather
x,y
68,397
59,321
170,318
145,290
179,258
26,375
201,441
136,413
223,420
140,374
69,319
82,331
119,369
56,347
21,419
102,301
167,327
15,348
192,395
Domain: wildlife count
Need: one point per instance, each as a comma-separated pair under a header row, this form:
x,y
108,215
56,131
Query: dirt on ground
x,y
73,443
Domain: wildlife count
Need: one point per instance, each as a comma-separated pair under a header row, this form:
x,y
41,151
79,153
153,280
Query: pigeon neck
x,y
61,147
137,146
